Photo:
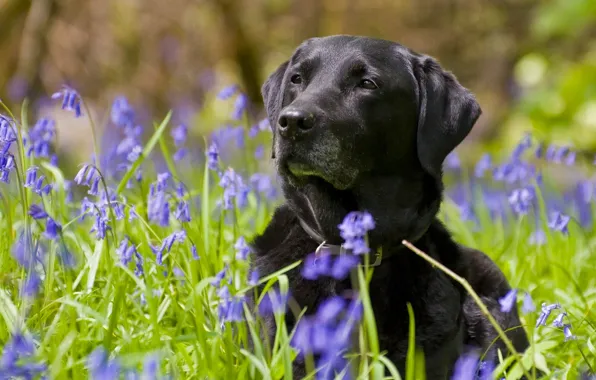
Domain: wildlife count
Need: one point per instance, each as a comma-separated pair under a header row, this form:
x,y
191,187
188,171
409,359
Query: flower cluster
x,y
17,359
353,230
329,335
71,100
40,137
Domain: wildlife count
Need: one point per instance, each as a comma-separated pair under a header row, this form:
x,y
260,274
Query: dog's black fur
x,y
365,124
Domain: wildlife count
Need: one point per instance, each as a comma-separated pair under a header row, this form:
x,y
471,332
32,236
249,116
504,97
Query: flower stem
x,y
476,298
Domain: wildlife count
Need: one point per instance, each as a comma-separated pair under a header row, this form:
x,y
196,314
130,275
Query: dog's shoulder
x,y
483,274
279,228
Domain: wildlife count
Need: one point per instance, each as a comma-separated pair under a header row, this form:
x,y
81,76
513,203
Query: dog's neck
x,y
402,208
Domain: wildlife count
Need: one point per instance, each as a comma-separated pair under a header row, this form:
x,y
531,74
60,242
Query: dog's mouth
x,y
301,169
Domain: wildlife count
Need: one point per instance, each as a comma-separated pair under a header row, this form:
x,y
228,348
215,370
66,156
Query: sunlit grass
x,y
170,308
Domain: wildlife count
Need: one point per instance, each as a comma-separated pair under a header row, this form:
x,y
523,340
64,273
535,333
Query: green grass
x,y
99,302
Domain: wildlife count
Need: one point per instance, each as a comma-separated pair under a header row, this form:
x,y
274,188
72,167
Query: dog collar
x,y
334,249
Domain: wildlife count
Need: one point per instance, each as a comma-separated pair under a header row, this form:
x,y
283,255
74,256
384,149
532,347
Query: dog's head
x,y
348,109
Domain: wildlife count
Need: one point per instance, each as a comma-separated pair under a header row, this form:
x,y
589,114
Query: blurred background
x,y
531,63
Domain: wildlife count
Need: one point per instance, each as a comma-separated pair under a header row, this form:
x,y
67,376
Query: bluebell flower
x,y
342,265
122,114
179,134
86,174
253,278
259,151
452,161
135,153
100,225
528,304
31,177
126,250
234,188
261,184
40,138
31,284
101,367
538,237
151,367
6,166
242,249
17,359
545,313
482,165
182,213
158,209
71,100
231,309
227,92
53,229
559,222
521,200
219,277
193,250
507,302
570,158
178,272
132,213
138,264
315,266
568,334
212,156
330,309
539,150
558,322
273,302
37,212
559,154
239,106
466,367
353,230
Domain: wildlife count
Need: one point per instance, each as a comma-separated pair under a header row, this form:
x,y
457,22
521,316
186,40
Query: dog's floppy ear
x,y
272,97
447,112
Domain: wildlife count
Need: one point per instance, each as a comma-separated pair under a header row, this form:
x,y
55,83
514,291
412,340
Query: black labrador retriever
x,y
365,124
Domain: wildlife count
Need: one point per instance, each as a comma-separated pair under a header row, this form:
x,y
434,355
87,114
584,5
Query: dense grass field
x,y
138,266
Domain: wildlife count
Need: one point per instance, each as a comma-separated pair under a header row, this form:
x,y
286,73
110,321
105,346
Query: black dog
x,y
365,124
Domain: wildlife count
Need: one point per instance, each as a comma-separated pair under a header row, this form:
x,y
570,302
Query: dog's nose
x,y
293,120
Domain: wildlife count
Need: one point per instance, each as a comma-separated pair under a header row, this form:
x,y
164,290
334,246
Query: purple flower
x,y
139,264
239,106
219,276
231,310
466,367
37,212
126,250
273,302
122,114
482,166
538,237
521,200
135,153
212,156
100,225
558,322
508,301
193,250
53,229
559,222
315,266
17,358
179,134
545,313
261,184
158,209
452,161
242,249
31,177
568,334
151,367
353,230
101,367
342,266
528,304
182,213
71,100
40,138
234,188
330,310
227,92
253,278
6,165
86,174
570,159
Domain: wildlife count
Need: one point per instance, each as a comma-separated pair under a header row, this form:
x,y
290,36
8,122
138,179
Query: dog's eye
x,y
368,84
296,79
